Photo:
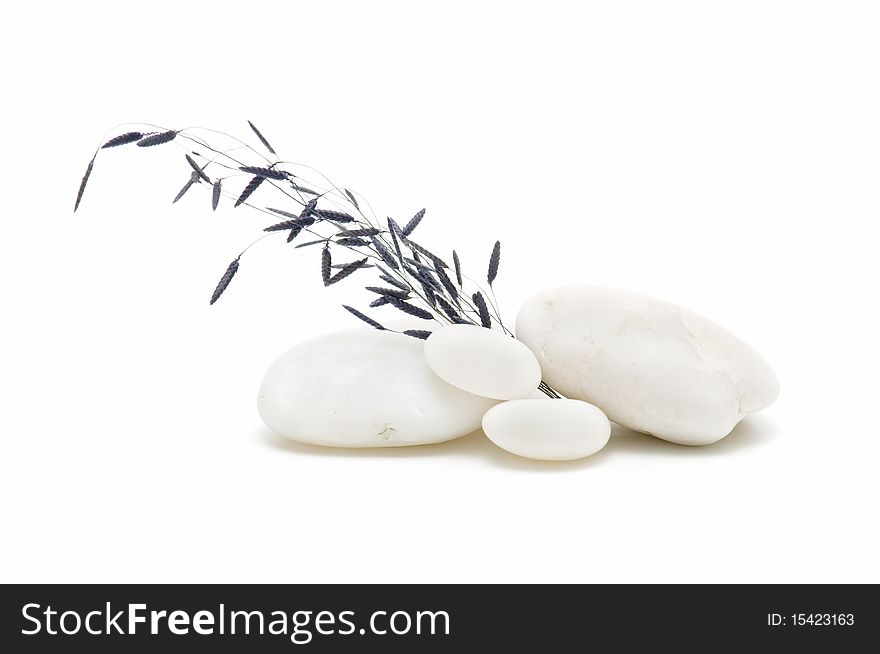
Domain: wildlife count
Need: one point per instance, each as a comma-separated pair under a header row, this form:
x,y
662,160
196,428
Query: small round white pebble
x,y
547,430
483,362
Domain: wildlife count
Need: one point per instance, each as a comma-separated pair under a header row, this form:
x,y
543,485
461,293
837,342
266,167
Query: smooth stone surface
x,y
651,366
364,388
483,362
548,430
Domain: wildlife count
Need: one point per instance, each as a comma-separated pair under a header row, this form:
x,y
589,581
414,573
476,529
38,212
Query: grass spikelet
x,y
303,189
494,260
423,272
343,265
351,241
379,302
215,195
224,281
333,216
186,187
408,308
347,270
366,231
294,233
417,333
392,292
421,250
326,262
82,184
262,138
457,264
430,296
199,170
252,186
123,139
448,285
394,282
366,319
286,214
384,253
352,199
413,223
396,235
483,309
447,308
315,242
284,226
268,173
157,139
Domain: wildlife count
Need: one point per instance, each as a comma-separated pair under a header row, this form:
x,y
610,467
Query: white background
x,y
724,156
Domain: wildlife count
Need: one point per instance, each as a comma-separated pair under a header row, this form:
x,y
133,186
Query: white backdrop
x,y
724,156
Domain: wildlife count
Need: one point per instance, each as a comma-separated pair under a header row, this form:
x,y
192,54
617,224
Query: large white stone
x,y
482,361
364,388
649,365
549,430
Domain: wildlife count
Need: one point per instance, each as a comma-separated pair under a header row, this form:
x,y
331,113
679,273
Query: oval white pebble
x,y
483,362
650,365
364,388
549,430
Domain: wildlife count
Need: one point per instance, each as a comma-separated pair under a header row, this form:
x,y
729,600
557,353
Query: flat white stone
x,y
483,362
364,388
649,365
549,430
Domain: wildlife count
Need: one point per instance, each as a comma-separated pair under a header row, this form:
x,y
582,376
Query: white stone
x,y
364,388
549,430
649,365
483,362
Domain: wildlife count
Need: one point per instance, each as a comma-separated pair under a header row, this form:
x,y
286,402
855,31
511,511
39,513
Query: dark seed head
x,y
494,260
157,139
215,195
224,281
396,236
303,189
347,270
268,173
294,232
82,184
483,309
392,292
457,264
388,279
384,253
249,189
262,138
352,242
366,231
325,265
415,247
316,242
185,188
406,307
447,308
448,285
352,199
287,224
413,223
122,139
333,216
366,319
197,169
